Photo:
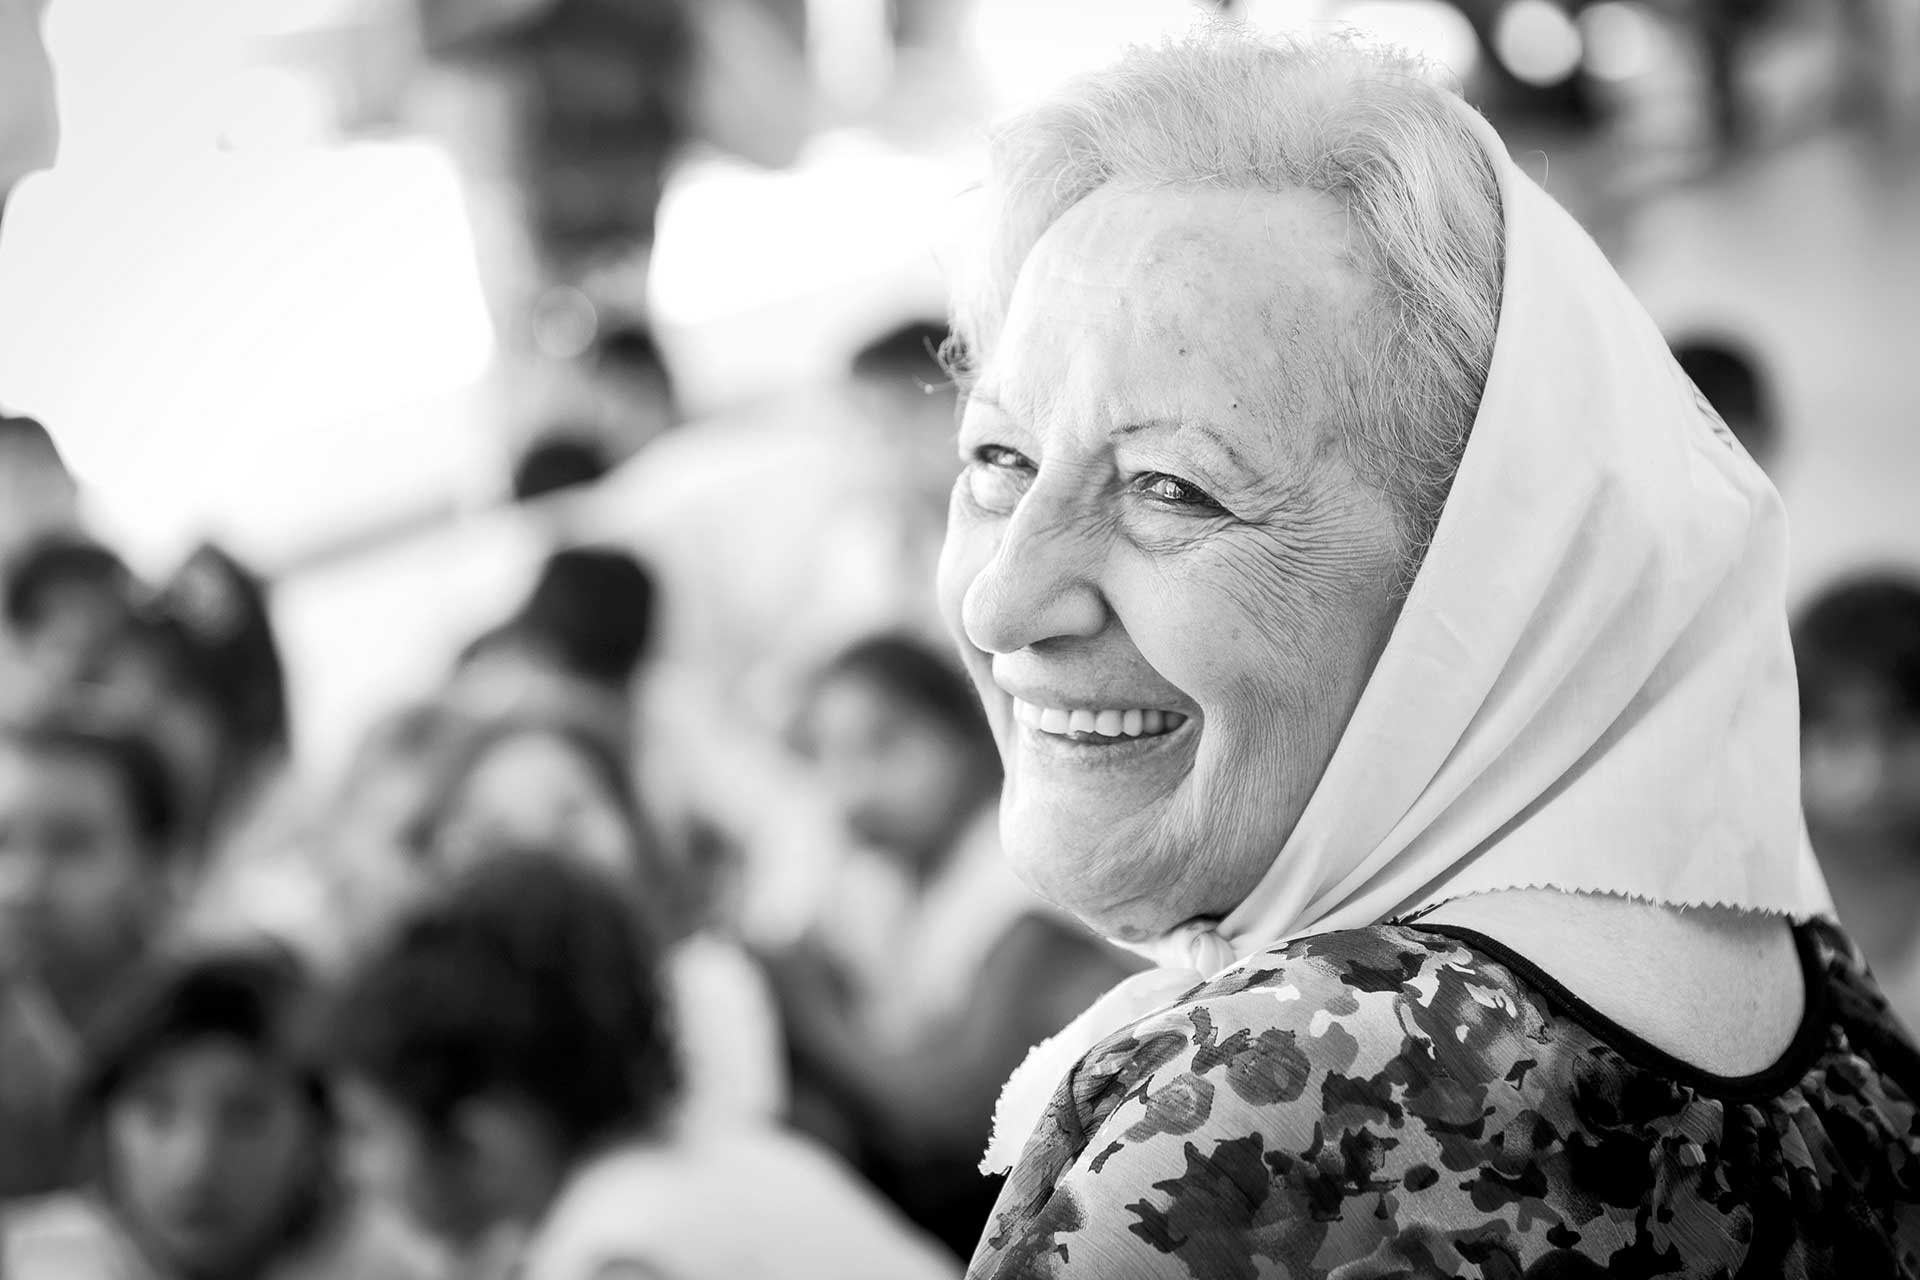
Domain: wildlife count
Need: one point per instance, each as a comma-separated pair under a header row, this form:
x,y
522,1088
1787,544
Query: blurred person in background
x,y
569,117
1857,647
1731,376
532,779
161,679
89,871
198,668
208,664
1728,31
614,399
38,496
208,1137
37,493
638,399
508,1075
365,857
69,603
626,399
934,969
224,606
546,782
574,647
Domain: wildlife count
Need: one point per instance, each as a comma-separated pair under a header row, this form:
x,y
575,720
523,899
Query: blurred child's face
x,y
73,641
510,680
138,686
389,1159
211,1154
537,790
902,780
77,886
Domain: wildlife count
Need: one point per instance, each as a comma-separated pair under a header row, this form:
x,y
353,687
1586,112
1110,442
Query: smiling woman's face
x,y
1166,578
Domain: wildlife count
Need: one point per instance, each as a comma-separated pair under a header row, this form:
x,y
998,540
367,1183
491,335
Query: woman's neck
x,y
1717,988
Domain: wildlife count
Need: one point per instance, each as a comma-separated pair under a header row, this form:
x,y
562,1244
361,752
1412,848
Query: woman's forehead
x,y
1146,285
1195,226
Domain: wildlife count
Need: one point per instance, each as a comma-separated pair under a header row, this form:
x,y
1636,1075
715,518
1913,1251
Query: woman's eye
x,y
997,476
998,455
1175,492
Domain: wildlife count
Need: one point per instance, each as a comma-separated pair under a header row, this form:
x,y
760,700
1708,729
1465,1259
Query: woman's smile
x,y
1081,737
1102,725
1097,728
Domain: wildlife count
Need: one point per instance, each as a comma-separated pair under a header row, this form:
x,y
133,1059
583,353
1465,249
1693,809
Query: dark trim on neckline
x,y
1802,1053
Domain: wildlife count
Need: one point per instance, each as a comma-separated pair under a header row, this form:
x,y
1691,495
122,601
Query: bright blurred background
x,y
285,288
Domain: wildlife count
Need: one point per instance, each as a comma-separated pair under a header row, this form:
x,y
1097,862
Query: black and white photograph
x,y
959,639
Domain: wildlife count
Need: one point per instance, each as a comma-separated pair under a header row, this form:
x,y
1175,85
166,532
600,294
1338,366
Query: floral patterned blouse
x,y
1415,1102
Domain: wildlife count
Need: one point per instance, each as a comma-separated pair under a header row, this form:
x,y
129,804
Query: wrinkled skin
x,y
1155,512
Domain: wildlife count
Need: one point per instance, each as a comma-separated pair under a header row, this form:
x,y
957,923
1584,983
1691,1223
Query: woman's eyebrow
x,y
1221,442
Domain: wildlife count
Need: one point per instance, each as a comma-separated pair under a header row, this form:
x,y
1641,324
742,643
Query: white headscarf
x,y
1590,686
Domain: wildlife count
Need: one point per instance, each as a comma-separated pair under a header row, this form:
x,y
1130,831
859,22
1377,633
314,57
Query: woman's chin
x,y
1073,790
1107,873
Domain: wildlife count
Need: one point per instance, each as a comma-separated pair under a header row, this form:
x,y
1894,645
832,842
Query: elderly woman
x,y
1379,630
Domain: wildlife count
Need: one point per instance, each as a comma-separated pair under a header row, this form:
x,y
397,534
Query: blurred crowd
x,y
557,937
561,938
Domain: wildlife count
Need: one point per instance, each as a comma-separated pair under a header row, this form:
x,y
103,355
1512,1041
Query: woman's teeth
x,y
1138,722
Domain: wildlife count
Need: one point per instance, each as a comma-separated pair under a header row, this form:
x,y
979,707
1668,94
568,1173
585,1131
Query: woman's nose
x,y
1041,583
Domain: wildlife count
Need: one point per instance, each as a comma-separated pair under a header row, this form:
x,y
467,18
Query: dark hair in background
x,y
568,455
532,979
187,668
908,353
1862,630
924,681
256,995
1729,374
590,613
559,461
58,561
136,764
237,655
632,350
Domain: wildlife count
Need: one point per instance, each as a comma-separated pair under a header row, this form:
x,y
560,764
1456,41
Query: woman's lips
x,y
1095,725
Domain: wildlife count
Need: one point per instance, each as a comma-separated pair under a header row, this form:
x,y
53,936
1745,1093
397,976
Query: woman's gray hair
x,y
1225,108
